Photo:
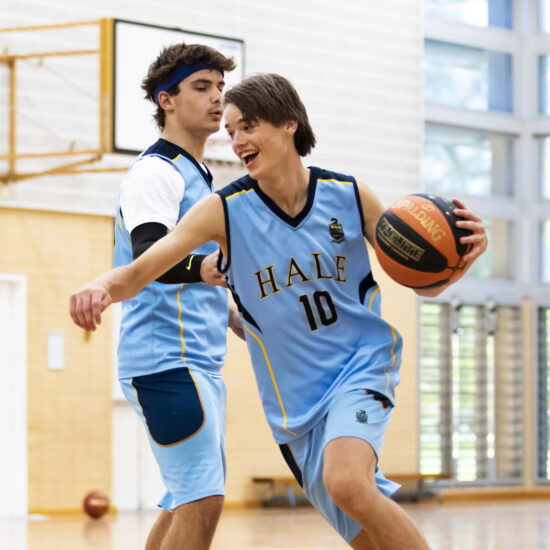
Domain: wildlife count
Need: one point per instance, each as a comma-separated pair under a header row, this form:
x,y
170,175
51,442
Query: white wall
x,y
13,396
356,65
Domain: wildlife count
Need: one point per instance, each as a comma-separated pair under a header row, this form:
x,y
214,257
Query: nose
x,y
238,141
216,95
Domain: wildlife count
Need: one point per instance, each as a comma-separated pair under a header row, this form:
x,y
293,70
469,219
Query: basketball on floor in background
x,y
417,242
96,504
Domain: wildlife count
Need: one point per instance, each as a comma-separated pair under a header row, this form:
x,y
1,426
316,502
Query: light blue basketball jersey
x,y
168,326
310,305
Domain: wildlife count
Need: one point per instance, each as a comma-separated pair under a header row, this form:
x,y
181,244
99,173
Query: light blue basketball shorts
x,y
184,415
353,414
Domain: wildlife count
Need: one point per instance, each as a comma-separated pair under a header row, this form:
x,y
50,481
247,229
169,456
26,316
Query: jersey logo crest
x,y
362,416
336,231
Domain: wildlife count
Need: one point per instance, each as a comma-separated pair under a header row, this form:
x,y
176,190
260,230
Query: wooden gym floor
x,y
495,525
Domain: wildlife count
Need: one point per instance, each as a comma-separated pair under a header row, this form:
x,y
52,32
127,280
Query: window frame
x,y
490,482
526,208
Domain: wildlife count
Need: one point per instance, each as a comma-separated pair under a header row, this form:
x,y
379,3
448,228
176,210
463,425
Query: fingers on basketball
x,y
418,242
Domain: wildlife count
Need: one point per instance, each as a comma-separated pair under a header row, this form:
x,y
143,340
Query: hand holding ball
x,y
417,242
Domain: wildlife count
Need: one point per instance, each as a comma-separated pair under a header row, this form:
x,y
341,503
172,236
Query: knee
x,y
348,490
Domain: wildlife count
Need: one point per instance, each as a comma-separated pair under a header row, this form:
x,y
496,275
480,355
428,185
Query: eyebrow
x,y
208,81
238,122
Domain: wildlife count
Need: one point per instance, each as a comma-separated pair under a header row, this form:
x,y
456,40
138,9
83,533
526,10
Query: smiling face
x,y
260,145
197,108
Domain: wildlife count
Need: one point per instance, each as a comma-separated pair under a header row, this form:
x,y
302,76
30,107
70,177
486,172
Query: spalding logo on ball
x,y
417,242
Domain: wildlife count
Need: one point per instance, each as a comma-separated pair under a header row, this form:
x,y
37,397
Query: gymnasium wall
x,y
69,411
357,66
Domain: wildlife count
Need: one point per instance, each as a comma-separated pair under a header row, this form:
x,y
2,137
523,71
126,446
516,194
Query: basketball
x,y
417,242
96,504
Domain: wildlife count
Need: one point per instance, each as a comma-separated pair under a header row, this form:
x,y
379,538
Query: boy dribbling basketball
x,y
295,259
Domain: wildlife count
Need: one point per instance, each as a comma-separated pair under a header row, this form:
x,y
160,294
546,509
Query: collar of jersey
x,y
279,212
171,150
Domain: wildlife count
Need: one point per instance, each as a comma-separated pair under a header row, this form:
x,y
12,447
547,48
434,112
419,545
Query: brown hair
x,y
273,98
172,58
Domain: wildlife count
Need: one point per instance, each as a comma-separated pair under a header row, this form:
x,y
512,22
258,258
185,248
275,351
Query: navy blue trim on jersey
x,y
221,268
171,405
381,398
171,150
242,184
365,285
359,205
242,310
292,464
296,220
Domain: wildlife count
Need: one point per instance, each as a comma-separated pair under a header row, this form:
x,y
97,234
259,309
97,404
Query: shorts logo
x,y
336,231
361,416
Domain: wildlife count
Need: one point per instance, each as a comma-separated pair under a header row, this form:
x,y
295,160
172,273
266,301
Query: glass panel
x,y
545,251
544,167
458,161
435,389
462,76
484,13
543,417
508,391
496,262
544,88
544,15
471,391
470,407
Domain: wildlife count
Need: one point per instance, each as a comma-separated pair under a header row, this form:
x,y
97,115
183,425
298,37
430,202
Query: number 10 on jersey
x,y
323,309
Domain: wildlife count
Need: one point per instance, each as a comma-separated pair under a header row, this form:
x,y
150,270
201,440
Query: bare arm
x,y
373,209
204,222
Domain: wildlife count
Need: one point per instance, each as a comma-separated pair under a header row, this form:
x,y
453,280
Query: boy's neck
x,y
193,144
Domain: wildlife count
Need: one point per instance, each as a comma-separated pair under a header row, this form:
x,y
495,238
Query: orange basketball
x,y
95,504
417,242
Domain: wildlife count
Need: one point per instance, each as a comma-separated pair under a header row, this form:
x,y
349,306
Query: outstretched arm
x,y
373,209
204,222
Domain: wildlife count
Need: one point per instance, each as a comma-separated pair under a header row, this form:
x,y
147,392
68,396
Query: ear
x,y
291,126
165,101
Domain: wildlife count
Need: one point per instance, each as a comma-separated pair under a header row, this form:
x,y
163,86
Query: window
x,y
543,416
545,251
544,88
482,13
463,76
471,392
468,162
544,171
544,15
499,259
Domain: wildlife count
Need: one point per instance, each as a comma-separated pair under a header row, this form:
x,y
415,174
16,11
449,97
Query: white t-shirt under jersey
x,y
151,191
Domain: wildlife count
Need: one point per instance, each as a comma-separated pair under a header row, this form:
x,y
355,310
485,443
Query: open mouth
x,y
249,157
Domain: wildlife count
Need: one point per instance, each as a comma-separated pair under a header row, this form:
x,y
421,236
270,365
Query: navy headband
x,y
180,74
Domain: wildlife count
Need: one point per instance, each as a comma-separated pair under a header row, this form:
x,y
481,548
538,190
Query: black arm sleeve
x,y
187,271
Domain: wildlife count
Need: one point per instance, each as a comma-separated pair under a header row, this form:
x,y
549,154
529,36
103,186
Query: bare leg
x,y
363,541
192,525
158,531
354,490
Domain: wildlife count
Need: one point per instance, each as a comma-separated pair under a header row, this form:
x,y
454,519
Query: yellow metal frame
x,y
105,107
